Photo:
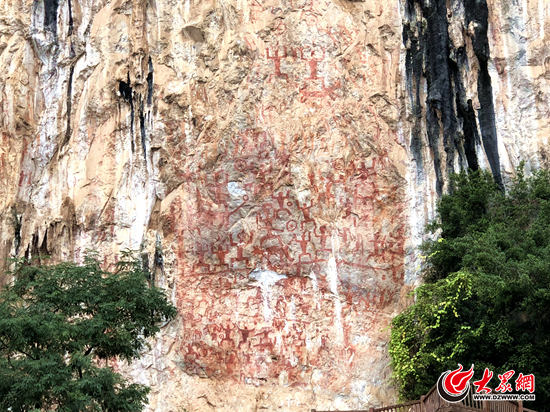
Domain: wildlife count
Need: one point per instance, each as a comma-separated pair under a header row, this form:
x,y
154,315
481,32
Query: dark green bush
x,y
486,296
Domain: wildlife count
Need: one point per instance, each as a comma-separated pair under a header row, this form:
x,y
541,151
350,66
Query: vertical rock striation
x,y
444,46
274,162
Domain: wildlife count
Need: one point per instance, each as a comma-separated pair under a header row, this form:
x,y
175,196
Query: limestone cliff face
x,y
273,161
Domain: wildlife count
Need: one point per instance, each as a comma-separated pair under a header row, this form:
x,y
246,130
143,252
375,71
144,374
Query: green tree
x,y
57,322
486,294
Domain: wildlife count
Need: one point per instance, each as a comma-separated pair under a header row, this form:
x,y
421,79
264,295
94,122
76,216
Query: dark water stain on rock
x,y
68,129
71,21
477,17
17,222
142,129
150,83
125,91
50,14
434,63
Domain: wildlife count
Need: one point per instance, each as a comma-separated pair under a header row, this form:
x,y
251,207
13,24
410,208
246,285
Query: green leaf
x,y
58,321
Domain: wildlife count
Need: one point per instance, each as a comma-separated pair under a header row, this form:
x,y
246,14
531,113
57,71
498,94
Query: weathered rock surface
x,y
274,162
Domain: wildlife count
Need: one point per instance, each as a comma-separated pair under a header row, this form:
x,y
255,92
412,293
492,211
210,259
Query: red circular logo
x,y
453,386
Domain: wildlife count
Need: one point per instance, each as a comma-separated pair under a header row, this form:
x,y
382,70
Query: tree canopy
x,y
486,295
57,322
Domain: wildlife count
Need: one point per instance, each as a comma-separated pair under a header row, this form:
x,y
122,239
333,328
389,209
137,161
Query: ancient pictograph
x,y
288,270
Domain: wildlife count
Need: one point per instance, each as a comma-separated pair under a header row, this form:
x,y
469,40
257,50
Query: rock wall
x,y
273,161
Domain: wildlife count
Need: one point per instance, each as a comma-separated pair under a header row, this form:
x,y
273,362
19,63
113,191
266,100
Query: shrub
x,y
58,321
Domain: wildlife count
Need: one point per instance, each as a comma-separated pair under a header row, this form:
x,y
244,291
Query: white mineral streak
x,y
188,127
315,286
236,190
520,114
417,191
542,7
265,280
186,8
332,277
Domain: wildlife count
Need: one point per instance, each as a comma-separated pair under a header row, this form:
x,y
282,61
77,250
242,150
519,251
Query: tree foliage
x,y
60,323
486,294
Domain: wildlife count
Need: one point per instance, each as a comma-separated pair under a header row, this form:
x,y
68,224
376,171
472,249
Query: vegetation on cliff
x,y
486,294
60,325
